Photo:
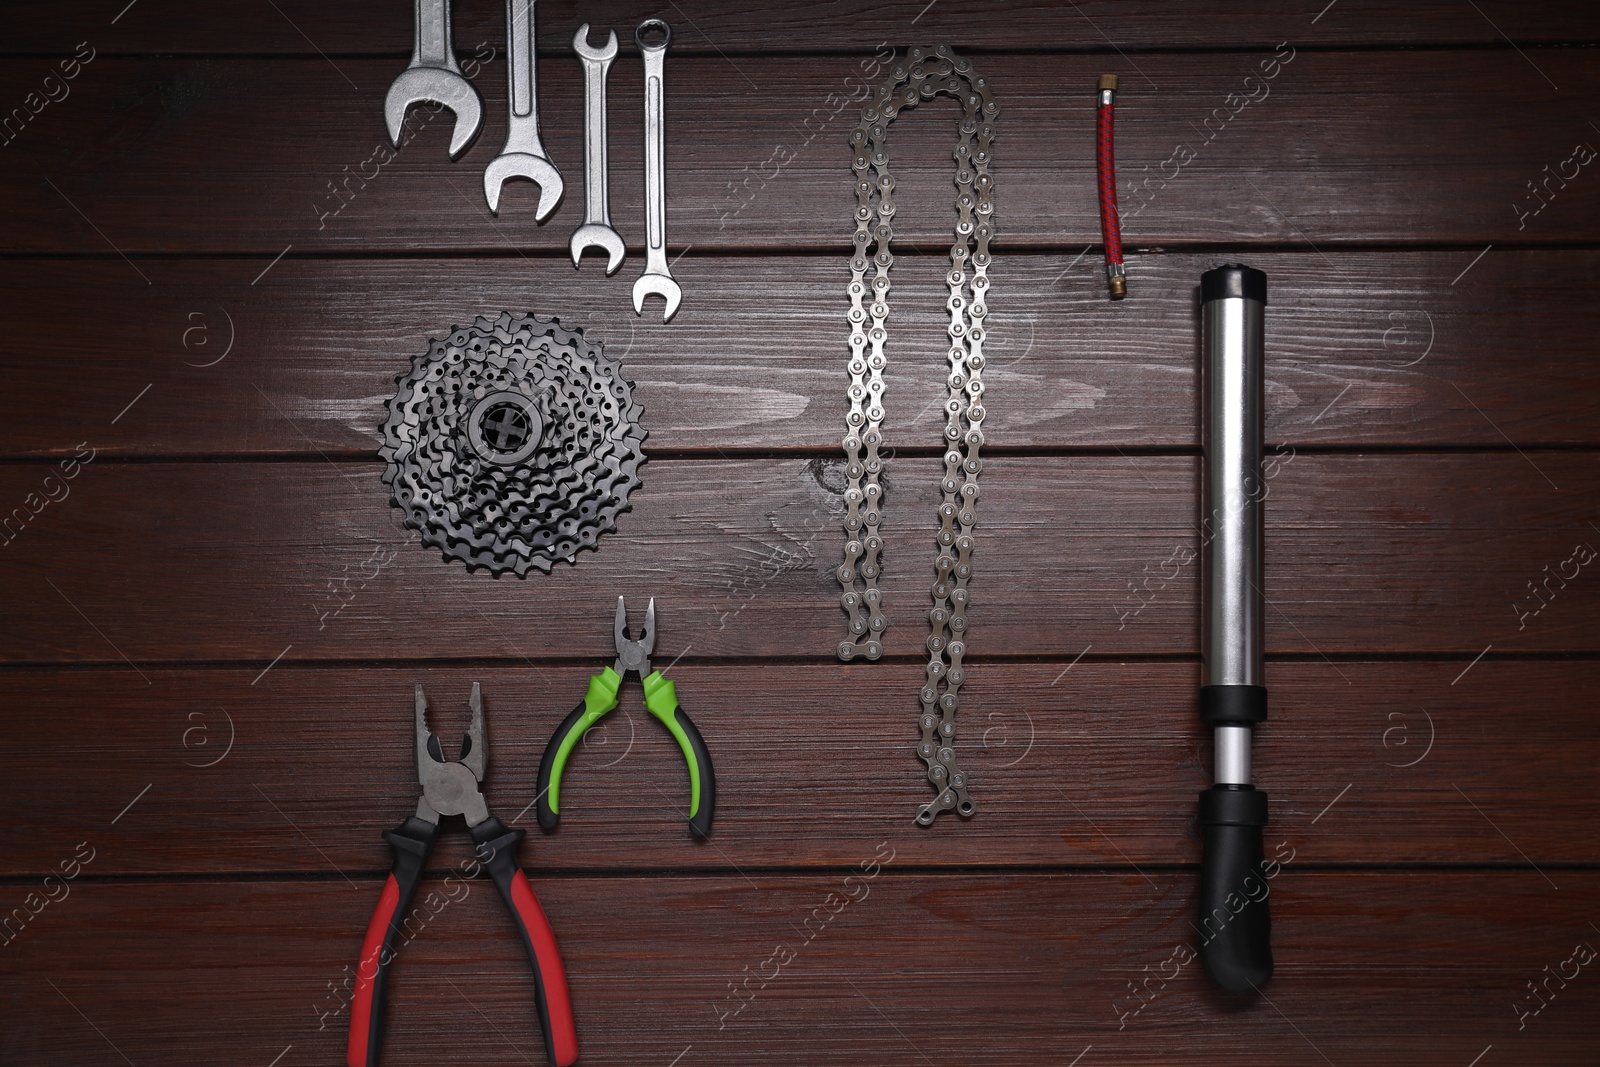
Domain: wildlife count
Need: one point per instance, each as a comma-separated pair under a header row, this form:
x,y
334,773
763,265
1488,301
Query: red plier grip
x,y
412,842
497,846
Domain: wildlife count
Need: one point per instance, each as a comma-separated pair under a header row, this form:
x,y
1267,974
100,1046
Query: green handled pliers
x,y
660,698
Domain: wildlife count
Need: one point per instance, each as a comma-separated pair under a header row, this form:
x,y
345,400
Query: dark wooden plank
x,y
1367,348
370,27
166,155
189,704
1373,968
1390,553
304,769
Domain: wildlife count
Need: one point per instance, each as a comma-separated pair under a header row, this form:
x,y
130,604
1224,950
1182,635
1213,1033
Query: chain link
x,y
922,75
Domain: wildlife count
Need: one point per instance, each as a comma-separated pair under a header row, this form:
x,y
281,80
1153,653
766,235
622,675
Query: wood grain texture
x,y
1431,963
1390,553
370,27
1363,348
230,155
1093,766
213,272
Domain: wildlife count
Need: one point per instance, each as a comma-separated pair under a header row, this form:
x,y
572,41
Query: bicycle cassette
x,y
512,443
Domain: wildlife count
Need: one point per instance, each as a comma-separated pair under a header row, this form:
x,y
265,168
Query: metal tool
x,y
512,443
451,788
433,76
660,698
657,277
1235,925
523,155
923,74
596,231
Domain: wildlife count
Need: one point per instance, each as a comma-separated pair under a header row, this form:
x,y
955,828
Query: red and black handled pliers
x,y
451,788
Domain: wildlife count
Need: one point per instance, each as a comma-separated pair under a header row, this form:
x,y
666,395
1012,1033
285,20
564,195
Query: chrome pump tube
x,y
1235,927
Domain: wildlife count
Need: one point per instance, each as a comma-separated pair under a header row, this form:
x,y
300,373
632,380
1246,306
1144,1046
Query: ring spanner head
x,y
422,85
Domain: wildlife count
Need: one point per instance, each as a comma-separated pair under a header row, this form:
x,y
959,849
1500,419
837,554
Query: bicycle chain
x,y
922,75
512,443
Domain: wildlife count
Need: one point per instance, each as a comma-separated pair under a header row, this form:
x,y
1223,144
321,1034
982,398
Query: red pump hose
x,y
1110,222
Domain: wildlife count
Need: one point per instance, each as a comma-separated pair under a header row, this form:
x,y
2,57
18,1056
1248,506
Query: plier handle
x,y
660,699
451,788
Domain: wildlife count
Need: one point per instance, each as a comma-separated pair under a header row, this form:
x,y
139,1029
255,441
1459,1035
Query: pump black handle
x,y
1235,924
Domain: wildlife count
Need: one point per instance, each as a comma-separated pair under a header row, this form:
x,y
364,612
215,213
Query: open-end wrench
x,y
657,276
433,76
523,156
596,231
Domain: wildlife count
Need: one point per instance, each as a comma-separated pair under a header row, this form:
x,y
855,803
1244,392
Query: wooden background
x,y
207,690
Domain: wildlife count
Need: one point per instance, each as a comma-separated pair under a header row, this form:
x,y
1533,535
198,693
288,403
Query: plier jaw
x,y
451,787
635,655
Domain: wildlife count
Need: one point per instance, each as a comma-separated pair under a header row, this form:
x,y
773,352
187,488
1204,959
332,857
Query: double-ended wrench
x,y
596,231
524,155
433,77
657,276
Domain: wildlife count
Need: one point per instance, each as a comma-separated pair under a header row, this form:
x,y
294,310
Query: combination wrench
x,y
596,231
433,77
657,277
524,155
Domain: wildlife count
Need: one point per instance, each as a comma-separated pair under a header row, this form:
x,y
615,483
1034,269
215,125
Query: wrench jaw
x,y
604,54
661,285
536,169
422,85
598,235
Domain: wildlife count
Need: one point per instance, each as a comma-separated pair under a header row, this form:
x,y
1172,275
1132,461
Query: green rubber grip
x,y
661,699
600,699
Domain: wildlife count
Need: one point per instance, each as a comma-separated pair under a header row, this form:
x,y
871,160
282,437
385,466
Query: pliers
x,y
660,698
451,788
